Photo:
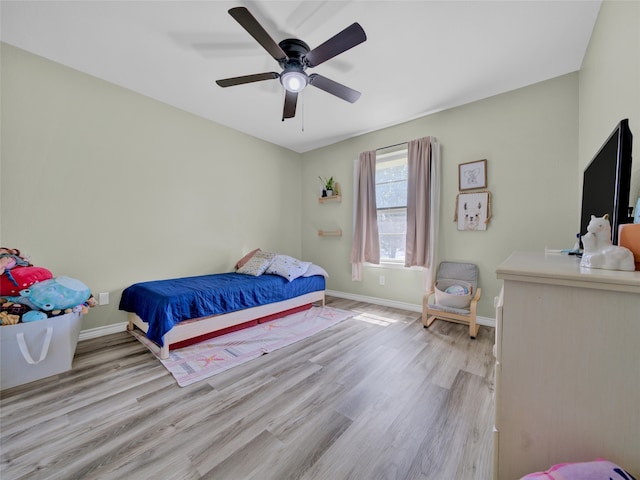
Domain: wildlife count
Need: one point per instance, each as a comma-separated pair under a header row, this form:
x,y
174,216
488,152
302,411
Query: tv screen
x,y
607,181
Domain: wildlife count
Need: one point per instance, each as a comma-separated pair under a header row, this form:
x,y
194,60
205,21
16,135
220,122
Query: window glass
x,y
391,201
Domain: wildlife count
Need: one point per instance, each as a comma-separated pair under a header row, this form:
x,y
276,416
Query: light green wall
x,y
111,187
537,141
610,83
529,138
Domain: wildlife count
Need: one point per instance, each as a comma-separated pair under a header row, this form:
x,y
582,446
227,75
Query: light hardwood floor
x,y
374,397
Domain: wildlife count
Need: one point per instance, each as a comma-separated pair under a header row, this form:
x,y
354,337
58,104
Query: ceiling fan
x,y
294,57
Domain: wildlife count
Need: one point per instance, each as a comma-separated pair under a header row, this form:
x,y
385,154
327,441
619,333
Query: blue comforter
x,y
165,303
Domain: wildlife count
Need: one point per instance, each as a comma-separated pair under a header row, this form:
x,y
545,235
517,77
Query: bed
x,y
176,312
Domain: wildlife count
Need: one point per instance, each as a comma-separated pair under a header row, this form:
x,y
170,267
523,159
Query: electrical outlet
x,y
381,280
103,298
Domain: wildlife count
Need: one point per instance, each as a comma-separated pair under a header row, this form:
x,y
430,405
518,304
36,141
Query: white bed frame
x,y
194,328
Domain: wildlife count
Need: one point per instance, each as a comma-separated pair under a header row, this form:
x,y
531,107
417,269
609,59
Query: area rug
x,y
203,360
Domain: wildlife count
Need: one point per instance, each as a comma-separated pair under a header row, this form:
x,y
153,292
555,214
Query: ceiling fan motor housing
x,y
296,50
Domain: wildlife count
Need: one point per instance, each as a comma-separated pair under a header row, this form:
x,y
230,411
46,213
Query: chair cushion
x,y
459,271
444,308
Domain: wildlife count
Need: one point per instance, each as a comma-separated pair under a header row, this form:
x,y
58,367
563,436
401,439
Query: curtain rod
x,y
398,144
390,146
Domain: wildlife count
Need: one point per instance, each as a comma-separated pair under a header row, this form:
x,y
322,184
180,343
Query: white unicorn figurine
x,y
598,250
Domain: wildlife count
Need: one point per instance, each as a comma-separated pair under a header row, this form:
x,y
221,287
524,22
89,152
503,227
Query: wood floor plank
x,y
406,434
301,450
457,432
375,397
246,463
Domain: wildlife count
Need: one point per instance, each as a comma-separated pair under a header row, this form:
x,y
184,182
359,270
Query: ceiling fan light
x,y
294,81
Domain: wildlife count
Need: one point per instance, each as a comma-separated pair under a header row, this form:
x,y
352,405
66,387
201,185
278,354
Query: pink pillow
x,y
257,264
596,470
246,258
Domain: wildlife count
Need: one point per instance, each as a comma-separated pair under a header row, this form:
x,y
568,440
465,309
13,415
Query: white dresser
x,y
567,365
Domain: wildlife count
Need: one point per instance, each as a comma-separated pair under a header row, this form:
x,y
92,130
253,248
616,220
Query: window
x,y
403,198
391,202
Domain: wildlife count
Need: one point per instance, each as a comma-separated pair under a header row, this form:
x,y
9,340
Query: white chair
x,y
466,273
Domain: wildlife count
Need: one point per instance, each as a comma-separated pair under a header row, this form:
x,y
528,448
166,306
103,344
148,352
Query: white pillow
x,y
257,264
288,267
315,270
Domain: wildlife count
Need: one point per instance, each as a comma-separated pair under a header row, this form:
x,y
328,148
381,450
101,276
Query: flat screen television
x,y
607,181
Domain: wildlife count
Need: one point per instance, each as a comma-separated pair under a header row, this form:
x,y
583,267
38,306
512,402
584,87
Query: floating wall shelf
x,y
335,198
330,233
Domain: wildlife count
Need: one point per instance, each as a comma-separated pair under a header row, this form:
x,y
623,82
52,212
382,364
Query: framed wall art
x,y
473,210
472,175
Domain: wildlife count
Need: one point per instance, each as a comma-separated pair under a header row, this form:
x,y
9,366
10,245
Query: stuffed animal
x,y
17,273
19,278
8,319
91,302
13,308
9,258
57,294
33,316
7,262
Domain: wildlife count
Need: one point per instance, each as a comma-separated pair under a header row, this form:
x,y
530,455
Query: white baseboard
x,y
101,331
412,307
122,327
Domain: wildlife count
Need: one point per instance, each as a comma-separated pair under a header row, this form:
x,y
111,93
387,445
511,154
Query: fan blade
x,y
290,102
258,77
334,88
251,25
343,41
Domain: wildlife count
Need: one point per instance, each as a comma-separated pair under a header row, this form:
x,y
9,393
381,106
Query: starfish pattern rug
x,y
203,360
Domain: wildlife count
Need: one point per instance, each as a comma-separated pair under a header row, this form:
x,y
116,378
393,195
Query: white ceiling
x,y
420,57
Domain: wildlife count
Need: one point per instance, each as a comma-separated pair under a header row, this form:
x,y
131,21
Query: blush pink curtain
x,y
423,205
366,244
418,202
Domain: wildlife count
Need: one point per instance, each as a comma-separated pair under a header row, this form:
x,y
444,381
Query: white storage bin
x,y
450,299
34,350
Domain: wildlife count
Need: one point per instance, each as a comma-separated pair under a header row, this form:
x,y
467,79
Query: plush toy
x,y
56,294
20,278
13,308
34,315
17,273
9,259
8,319
91,302
7,262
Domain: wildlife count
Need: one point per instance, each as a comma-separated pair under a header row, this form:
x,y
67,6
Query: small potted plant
x,y
328,187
